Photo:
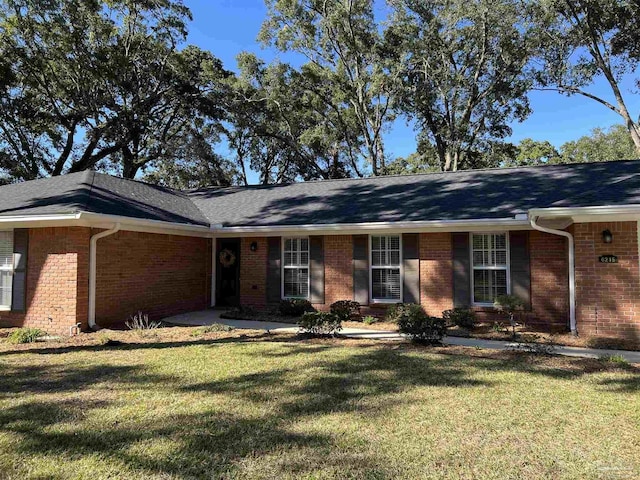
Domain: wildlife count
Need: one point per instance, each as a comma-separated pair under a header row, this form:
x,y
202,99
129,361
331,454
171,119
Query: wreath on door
x,y
227,258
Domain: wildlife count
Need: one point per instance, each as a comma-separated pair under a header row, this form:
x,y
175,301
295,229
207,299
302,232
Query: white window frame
x,y
284,267
473,267
7,308
388,267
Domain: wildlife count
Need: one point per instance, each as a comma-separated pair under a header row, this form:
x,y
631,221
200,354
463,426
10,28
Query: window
x,y
295,265
386,284
490,267
6,269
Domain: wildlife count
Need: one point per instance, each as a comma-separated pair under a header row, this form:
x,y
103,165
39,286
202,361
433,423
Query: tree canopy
x,y
113,85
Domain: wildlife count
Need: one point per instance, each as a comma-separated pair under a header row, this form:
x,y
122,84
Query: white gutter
x,y
572,267
573,211
94,218
482,222
92,272
39,218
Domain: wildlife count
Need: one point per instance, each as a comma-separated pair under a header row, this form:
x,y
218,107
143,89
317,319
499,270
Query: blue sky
x,y
227,27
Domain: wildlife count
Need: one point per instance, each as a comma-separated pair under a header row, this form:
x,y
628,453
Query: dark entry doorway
x,y
228,272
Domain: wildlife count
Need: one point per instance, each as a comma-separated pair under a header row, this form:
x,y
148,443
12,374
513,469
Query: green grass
x,y
234,408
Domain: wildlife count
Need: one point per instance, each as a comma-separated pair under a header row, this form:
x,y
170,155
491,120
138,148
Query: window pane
x,y
375,243
376,258
287,244
386,283
6,250
488,284
296,282
6,278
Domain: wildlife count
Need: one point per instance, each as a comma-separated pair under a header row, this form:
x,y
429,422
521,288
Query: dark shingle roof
x,y
98,193
473,194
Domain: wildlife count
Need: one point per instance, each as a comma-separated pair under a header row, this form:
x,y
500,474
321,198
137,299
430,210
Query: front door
x,y
228,272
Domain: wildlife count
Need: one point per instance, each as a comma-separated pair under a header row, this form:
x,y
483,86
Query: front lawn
x,y
250,405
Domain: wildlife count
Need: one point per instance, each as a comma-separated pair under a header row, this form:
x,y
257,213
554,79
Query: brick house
x,y
91,249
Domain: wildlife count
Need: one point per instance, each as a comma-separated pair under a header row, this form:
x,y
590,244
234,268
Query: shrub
x,y
419,326
294,307
615,359
346,309
532,343
509,304
320,323
369,320
140,323
396,311
462,317
213,328
242,312
25,335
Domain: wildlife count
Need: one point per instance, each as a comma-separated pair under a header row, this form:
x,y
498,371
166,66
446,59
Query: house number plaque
x,y
608,259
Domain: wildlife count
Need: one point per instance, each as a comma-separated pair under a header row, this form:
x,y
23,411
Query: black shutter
x,y
20,251
520,267
411,268
316,268
461,270
274,282
361,269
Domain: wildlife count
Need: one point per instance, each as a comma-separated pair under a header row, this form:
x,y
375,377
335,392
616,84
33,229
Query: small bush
x,y
615,359
419,326
531,343
396,311
498,327
346,309
509,305
320,323
294,307
369,320
25,335
140,323
213,328
461,317
243,312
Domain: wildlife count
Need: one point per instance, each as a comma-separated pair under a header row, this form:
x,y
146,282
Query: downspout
x,y
93,274
572,272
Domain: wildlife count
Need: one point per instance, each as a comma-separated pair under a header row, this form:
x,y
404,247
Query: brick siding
x,y
253,272
549,280
160,275
607,297
436,272
57,281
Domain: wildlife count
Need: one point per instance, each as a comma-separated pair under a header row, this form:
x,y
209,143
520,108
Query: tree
x,y
602,145
584,39
464,72
282,130
99,84
346,71
534,152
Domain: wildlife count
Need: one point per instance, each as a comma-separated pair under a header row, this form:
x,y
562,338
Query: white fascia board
x,y
97,220
35,221
584,213
387,227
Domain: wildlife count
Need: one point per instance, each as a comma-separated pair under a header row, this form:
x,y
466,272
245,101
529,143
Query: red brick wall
x,y
57,280
160,275
436,272
607,295
338,269
549,280
253,272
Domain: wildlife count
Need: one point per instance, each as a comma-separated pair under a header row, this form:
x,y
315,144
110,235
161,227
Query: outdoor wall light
x,y
253,246
607,236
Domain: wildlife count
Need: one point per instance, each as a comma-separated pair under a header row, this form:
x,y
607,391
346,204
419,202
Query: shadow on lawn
x,y
216,443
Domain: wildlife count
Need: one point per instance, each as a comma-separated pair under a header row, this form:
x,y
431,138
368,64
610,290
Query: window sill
x,y
5,309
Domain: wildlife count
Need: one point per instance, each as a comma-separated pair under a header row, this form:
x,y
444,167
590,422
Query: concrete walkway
x,y
208,317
